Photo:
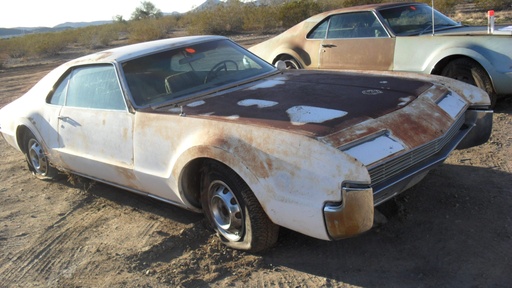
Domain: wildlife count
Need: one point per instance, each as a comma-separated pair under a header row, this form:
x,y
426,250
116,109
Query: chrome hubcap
x,y
36,157
226,211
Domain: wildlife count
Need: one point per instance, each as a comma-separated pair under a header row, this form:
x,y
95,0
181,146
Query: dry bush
x,y
146,30
223,19
294,12
16,47
100,36
263,18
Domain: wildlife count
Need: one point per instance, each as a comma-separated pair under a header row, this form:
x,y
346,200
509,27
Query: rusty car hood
x,y
314,104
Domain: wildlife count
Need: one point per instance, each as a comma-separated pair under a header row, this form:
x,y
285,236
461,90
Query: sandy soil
x,y
454,229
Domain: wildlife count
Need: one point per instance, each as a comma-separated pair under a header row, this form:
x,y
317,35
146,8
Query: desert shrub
x,y
16,47
293,12
493,4
223,19
260,18
47,44
100,36
146,30
44,44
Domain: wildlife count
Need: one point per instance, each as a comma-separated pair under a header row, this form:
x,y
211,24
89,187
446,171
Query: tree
x,y
118,19
145,11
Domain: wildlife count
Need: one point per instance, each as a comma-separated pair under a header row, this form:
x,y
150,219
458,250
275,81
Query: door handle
x,y
63,118
328,45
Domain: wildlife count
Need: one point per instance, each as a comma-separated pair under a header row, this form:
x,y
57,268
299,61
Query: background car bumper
x,y
481,120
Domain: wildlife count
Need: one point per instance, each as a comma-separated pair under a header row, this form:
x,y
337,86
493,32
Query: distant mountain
x,y
20,31
207,5
81,24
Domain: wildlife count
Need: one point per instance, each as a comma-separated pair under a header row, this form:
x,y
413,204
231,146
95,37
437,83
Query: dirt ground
x,y
454,229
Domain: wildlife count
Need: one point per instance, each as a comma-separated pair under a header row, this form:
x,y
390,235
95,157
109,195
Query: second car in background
x,y
397,37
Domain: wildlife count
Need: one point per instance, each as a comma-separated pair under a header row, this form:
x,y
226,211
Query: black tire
x,y
234,212
36,158
291,63
469,71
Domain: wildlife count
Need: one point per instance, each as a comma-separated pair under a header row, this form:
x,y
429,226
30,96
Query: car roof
x,y
124,53
368,7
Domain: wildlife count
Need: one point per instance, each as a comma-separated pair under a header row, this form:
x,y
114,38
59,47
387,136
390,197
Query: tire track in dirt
x,y
47,255
55,256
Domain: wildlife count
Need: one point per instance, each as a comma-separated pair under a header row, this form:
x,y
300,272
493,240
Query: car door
x,y
356,41
95,127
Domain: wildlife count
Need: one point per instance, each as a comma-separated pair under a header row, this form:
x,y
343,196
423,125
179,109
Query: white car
x,y
202,123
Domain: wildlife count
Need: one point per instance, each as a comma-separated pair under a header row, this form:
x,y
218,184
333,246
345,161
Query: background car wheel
x,y
37,161
469,71
290,62
234,212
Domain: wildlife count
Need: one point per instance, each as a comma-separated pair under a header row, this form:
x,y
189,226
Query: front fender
x,y
292,176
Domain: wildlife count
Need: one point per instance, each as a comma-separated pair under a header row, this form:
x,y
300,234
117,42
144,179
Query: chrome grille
x,y
396,165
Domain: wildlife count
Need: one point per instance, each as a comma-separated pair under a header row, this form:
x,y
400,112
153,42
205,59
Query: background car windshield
x,y
188,70
415,19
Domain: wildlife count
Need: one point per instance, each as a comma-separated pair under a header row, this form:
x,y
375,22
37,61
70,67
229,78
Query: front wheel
x,y
469,71
234,212
36,158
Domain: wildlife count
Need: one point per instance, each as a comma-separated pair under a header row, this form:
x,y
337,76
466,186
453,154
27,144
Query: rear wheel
x,y
36,158
291,63
469,71
234,212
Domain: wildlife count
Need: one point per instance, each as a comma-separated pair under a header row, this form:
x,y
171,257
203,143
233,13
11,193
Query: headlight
x,y
374,149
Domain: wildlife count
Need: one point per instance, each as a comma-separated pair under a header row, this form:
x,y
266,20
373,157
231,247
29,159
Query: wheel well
x,y
439,67
20,136
190,180
283,57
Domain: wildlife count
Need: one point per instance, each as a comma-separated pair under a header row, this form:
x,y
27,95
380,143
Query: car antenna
x,y
433,24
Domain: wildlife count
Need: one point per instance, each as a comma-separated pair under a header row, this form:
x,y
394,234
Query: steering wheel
x,y
222,65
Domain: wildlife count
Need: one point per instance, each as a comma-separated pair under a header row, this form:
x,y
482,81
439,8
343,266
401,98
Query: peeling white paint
x,y
372,92
300,115
267,84
196,103
233,117
175,110
405,100
257,102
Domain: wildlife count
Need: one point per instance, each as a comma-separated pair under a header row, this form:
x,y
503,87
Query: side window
x,y
319,31
355,25
95,87
59,95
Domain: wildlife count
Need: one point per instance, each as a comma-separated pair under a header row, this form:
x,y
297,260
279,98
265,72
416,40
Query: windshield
x,y
415,19
181,72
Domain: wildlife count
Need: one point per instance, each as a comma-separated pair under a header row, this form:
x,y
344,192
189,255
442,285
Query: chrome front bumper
x,y
354,214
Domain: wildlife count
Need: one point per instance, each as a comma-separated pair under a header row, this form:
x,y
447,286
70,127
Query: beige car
x,y
397,37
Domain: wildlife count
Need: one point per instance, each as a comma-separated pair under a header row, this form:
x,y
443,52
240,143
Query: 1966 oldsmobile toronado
x,y
204,124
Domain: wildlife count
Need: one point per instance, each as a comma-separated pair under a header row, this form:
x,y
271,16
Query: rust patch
x,y
334,91
355,217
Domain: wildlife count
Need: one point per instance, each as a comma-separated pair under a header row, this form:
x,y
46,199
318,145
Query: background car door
x,y
95,126
356,41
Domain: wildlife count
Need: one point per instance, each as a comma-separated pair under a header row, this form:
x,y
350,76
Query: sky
x,y
49,13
